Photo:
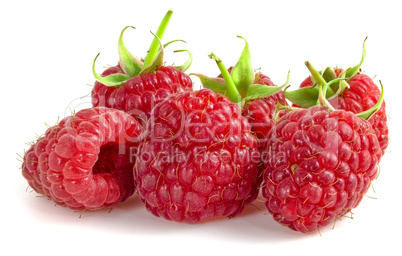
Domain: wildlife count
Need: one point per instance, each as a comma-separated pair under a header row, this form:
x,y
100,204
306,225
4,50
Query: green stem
x,y
233,93
315,74
322,100
318,79
153,49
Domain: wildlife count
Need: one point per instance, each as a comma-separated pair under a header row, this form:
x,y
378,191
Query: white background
x,y
46,53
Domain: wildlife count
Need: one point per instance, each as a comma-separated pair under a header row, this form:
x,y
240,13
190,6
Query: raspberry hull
x,y
84,161
195,162
139,95
319,166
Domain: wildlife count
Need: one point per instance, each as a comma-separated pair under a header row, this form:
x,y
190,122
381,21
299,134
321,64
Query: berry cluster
x,y
197,155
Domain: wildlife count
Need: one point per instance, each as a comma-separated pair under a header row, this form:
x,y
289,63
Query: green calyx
x,y
323,90
242,73
238,85
323,85
371,111
337,83
130,64
133,66
352,71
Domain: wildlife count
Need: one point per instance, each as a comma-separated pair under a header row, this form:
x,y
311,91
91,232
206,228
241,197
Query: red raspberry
x,y
319,166
260,112
139,94
84,162
196,161
361,96
136,86
257,94
357,94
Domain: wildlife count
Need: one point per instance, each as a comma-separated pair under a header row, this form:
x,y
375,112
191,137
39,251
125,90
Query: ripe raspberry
x,y
139,94
361,95
260,112
319,166
136,86
259,96
357,94
196,160
84,161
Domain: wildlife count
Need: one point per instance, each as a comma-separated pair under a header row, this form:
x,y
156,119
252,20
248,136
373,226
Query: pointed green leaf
x,y
216,84
351,72
371,111
130,64
188,62
242,72
158,61
256,91
155,45
261,90
173,41
305,97
111,80
329,74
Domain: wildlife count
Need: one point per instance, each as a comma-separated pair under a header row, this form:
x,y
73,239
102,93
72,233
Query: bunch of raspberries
x,y
196,155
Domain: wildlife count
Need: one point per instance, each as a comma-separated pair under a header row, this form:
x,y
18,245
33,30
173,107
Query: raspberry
x,y
196,160
319,165
139,94
260,112
362,95
136,86
84,162
259,99
256,93
357,94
